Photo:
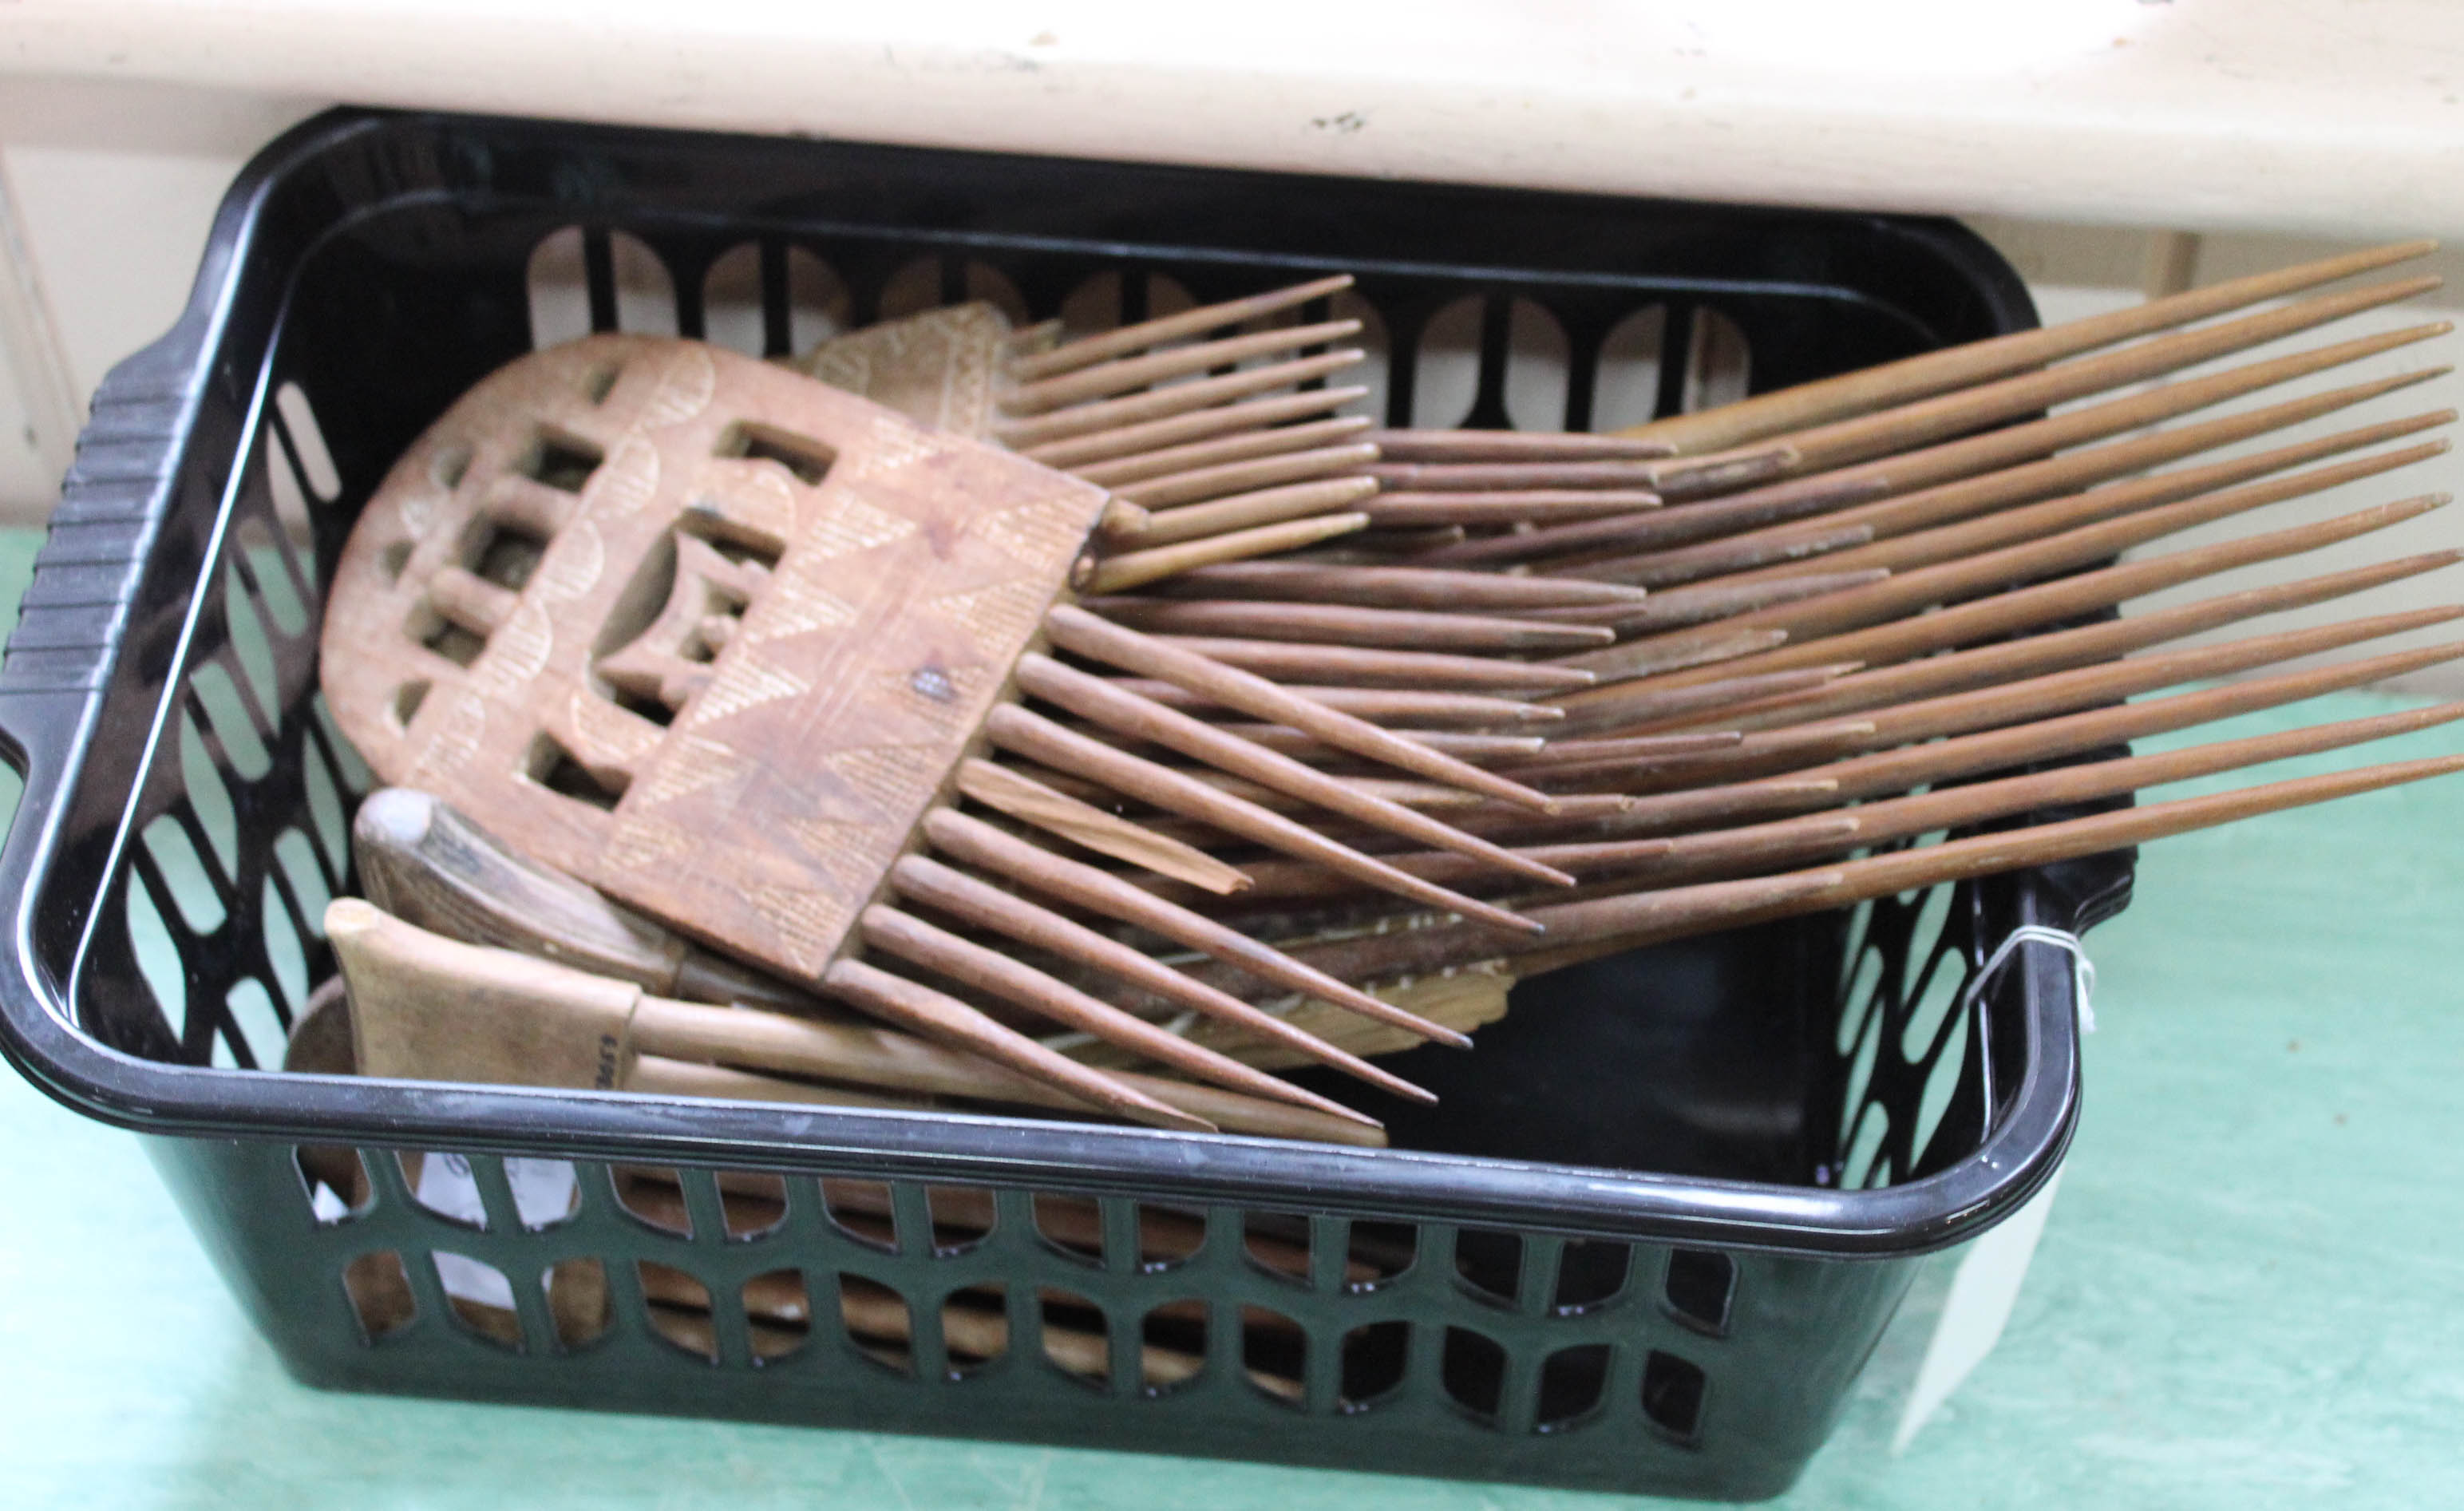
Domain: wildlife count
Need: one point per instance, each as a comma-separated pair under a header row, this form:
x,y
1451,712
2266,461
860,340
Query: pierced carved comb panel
x,y
697,629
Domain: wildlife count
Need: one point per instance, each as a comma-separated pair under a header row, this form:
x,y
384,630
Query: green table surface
x,y
2251,1293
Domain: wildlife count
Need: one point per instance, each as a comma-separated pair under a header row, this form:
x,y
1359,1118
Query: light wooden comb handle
x,y
428,1008
421,861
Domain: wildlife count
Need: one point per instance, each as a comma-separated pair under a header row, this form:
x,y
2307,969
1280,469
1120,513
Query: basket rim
x,y
48,722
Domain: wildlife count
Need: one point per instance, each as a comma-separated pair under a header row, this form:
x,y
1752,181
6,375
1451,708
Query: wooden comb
x,y
1206,426
721,641
1217,433
425,1007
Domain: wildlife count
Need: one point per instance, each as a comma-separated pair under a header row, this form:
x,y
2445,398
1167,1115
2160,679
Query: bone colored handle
x,y
421,861
429,1008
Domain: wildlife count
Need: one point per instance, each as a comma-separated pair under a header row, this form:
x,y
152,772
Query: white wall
x,y
110,190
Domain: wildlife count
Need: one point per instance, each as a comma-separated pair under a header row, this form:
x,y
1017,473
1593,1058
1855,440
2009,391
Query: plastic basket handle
x,y
75,616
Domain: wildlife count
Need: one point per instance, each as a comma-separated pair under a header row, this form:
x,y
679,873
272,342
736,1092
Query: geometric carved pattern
x,y
854,526
827,636
743,685
938,368
877,778
800,607
982,610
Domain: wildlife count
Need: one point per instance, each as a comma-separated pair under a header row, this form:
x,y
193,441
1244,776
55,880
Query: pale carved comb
x,y
1213,418
728,645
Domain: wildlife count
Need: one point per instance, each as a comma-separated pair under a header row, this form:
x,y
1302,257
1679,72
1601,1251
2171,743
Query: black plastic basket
x,y
1665,1210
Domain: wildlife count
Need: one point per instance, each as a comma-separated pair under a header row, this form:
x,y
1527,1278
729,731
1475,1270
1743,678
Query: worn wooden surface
x,y
856,605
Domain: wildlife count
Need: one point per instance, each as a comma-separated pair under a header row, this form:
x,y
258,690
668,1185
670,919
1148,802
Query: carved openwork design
x,y
597,600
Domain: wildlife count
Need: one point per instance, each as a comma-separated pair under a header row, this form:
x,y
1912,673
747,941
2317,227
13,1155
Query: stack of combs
x,y
968,717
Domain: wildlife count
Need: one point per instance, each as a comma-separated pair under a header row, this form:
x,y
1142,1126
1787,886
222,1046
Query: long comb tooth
x,y
1038,738
1133,442
1110,704
1767,752
920,944
1103,379
2060,692
1513,445
1667,569
2016,463
1701,806
1266,506
1405,508
2013,526
1501,753
1417,796
1030,801
1646,775
1581,752
1409,951
1240,447
1490,478
1074,629
2059,651
1801,841
1648,767
2047,739
1292,661
1464,746
1674,912
1377,706
1685,607
980,844
1912,378
1104,345
1657,530
1410,792
939,1017
1343,624
1133,569
1723,854
880,1058
2045,601
1926,419
1949,581
2009,566
1962,741
1387,547
1181,398
1622,703
1605,926
924,880
1728,472
1247,475
1287,882
1399,588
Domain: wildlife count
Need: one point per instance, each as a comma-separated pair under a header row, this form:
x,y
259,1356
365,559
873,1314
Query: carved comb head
x,y
697,629
732,645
